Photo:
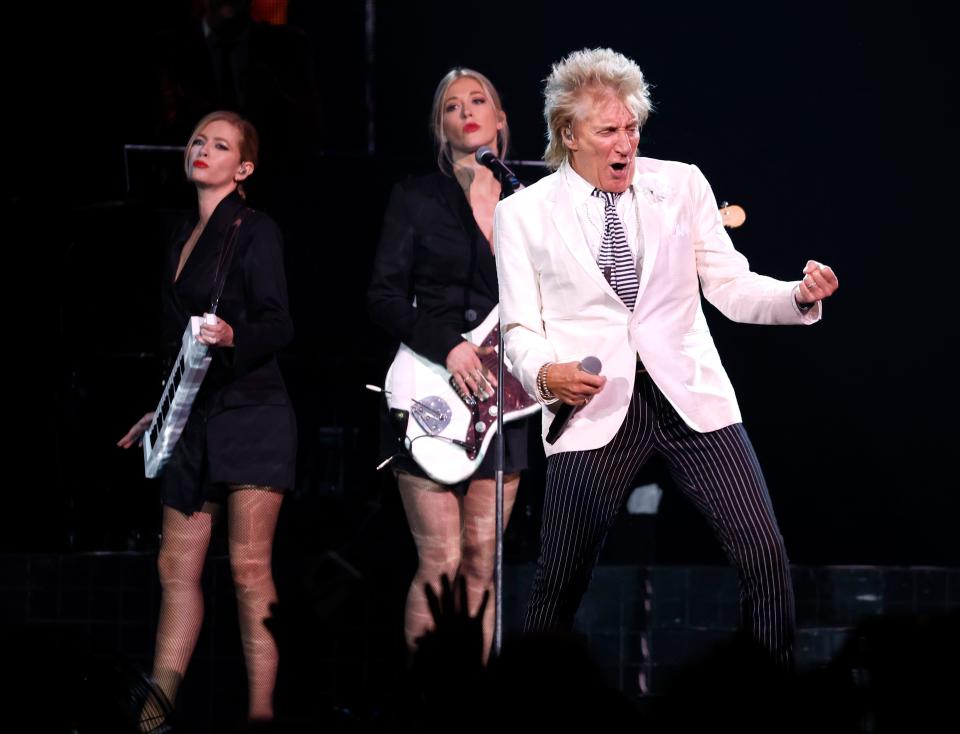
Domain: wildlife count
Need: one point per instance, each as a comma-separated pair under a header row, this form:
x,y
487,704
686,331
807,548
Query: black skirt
x,y
259,449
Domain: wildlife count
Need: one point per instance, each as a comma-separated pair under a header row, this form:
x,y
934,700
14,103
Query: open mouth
x,y
618,166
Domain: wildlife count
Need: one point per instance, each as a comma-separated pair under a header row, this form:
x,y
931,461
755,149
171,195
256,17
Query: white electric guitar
x,y
446,434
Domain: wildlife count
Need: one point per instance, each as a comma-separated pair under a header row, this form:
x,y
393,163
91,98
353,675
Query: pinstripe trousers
x,y
718,471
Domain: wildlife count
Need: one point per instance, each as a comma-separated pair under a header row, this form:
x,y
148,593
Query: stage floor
x,y
340,629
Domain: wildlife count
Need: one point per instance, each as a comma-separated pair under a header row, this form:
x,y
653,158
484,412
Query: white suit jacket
x,y
556,306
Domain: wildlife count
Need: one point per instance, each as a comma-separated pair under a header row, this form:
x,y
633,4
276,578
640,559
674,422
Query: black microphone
x,y
486,157
590,365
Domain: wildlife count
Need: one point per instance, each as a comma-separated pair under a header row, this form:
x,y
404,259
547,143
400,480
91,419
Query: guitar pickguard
x,y
432,413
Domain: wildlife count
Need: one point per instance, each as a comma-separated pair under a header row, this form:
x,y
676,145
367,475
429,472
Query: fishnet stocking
x,y
479,541
453,535
180,565
252,520
434,520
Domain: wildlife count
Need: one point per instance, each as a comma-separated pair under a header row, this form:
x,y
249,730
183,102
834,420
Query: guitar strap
x,y
224,260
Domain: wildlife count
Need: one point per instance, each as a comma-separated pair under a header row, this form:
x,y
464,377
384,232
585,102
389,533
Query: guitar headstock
x,y
732,215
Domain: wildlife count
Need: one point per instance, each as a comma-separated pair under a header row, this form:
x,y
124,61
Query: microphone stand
x,y
508,185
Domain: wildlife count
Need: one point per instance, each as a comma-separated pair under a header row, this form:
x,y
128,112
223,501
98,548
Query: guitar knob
x,y
480,426
492,411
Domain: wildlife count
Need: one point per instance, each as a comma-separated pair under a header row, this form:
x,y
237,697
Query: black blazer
x,y
431,248
254,303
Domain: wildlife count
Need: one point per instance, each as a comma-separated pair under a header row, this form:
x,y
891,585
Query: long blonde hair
x,y
444,157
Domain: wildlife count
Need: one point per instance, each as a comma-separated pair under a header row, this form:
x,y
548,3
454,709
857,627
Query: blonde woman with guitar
x,y
434,278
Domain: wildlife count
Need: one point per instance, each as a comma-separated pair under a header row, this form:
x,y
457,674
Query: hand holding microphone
x,y
574,383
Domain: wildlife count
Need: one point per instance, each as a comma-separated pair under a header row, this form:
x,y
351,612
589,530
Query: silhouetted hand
x,y
275,623
449,658
451,615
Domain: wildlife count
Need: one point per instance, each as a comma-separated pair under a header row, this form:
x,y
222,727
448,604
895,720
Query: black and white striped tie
x,y
615,259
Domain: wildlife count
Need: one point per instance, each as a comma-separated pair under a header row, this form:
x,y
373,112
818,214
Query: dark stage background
x,y
826,121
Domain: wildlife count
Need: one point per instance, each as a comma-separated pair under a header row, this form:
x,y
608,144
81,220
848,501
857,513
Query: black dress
x,y
242,429
431,249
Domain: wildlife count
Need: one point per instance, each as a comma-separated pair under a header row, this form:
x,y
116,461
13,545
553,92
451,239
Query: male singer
x,y
606,257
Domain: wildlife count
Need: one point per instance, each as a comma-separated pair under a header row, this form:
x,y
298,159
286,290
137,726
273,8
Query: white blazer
x,y
556,306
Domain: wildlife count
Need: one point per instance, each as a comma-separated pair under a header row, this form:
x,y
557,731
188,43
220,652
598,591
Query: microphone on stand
x,y
509,184
590,365
486,157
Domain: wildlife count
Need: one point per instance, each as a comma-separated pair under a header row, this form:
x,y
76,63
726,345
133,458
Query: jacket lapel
x,y
565,220
458,204
202,262
649,202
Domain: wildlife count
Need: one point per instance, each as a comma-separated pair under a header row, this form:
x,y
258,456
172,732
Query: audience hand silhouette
x,y
448,662
455,644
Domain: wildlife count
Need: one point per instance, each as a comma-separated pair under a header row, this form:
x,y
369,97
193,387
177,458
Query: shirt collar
x,y
578,187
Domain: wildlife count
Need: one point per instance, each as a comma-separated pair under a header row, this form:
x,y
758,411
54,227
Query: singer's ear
x,y
501,120
245,169
567,134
